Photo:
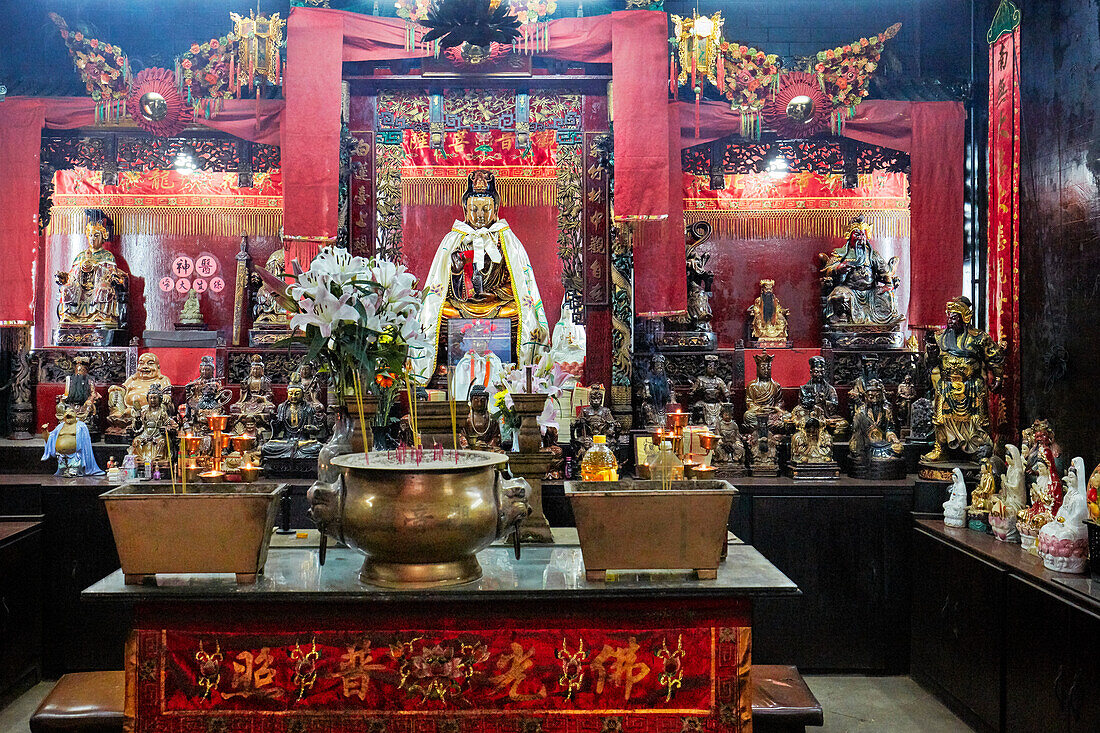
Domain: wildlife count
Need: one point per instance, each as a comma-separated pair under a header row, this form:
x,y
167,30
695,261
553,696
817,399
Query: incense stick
x,y
358,384
171,470
453,406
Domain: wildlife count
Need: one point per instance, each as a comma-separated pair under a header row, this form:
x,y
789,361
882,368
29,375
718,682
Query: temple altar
x,y
530,638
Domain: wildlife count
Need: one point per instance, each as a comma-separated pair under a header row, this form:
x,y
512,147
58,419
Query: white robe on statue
x,y
498,243
473,368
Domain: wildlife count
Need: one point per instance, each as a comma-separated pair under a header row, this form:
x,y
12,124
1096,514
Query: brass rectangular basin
x,y
212,528
642,525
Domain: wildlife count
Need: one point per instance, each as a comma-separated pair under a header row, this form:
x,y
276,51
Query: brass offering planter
x,y
210,528
420,525
651,525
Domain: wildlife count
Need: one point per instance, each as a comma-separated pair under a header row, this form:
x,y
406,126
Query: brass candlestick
x,y
219,441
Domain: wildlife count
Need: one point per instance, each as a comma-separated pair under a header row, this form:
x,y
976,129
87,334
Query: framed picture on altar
x,y
467,334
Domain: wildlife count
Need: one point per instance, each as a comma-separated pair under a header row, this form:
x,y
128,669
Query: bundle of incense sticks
x,y
413,423
454,408
357,382
168,451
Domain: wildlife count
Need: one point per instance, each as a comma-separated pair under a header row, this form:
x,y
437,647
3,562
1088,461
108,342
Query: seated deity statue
x,y
93,291
709,392
481,270
480,431
868,371
567,349
267,312
479,365
294,428
764,397
767,318
859,285
648,417
824,396
256,395
192,391
763,446
730,449
80,395
811,441
148,374
251,455
595,419
873,426
151,428
313,386
118,415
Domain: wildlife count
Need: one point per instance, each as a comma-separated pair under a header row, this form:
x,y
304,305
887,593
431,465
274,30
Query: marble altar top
x,y
546,572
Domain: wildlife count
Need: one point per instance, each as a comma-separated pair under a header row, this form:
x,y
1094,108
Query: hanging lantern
x,y
259,39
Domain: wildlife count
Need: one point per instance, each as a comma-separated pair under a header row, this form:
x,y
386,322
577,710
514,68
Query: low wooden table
x,y
530,647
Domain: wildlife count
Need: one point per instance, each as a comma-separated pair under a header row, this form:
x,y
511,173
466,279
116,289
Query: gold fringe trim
x,y
803,223
136,220
448,191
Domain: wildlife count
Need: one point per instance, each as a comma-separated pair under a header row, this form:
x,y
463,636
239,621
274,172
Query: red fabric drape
x,y
640,45
936,209
659,260
311,129
20,150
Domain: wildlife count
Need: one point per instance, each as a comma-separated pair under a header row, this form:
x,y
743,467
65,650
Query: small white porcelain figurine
x,y
954,509
1063,542
1011,499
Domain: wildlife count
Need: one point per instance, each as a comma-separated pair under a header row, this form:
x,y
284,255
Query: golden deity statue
x,y
967,364
136,386
764,397
93,291
481,270
768,317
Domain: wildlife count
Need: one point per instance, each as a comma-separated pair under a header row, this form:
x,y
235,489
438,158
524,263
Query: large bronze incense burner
x,y
420,523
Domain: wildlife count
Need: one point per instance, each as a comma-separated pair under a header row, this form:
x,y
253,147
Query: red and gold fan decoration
x,y
798,108
155,103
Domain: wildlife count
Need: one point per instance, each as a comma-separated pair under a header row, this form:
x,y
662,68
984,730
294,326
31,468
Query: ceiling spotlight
x,y
185,162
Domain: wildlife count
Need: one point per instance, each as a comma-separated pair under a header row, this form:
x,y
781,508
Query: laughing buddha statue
x,y
481,270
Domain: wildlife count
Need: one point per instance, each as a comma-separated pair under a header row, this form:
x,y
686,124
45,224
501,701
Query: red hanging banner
x,y
1004,206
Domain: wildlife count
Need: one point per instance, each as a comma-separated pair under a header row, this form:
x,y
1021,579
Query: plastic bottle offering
x,y
599,462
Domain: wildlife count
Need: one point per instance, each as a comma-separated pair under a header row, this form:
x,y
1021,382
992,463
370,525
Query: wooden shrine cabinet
x,y
20,603
1007,644
844,543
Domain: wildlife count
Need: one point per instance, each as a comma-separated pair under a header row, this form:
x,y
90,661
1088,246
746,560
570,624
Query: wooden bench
x,y
781,701
83,702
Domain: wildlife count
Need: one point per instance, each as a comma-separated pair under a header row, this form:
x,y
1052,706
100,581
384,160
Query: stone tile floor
x,y
852,704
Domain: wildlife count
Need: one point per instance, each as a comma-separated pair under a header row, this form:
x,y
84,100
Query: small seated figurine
x,y
868,371
824,396
193,390
191,315
648,417
313,386
151,427
763,448
954,509
80,395
708,392
768,319
595,419
981,500
480,431
1063,541
71,444
118,416
478,366
729,452
873,428
567,349
294,428
811,443
1046,499
256,395
1011,500
764,397
148,374
235,459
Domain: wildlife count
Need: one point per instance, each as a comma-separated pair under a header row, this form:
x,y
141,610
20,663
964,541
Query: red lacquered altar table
x,y
531,647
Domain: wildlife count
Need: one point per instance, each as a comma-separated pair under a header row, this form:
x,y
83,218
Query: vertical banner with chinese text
x,y
1004,206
